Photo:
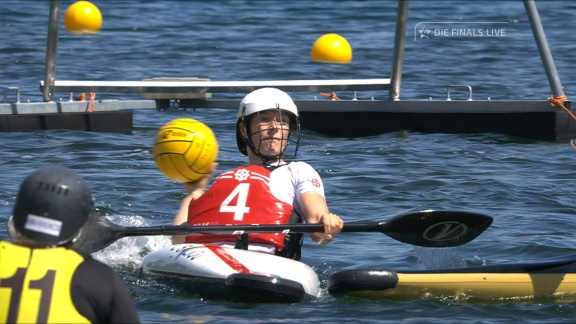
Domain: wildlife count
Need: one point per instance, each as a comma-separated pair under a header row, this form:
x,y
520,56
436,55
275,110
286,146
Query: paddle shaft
x,y
253,228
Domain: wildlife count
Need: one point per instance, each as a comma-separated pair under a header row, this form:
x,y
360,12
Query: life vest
x,y
35,285
240,196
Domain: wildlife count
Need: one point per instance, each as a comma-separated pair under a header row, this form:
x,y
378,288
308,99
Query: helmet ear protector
x,y
52,205
260,100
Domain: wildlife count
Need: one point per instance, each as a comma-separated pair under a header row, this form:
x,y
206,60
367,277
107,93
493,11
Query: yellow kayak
x,y
556,278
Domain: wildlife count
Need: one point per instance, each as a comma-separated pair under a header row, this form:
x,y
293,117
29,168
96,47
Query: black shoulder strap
x,y
242,242
293,241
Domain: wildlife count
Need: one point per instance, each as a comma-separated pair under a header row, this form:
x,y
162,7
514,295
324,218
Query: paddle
x,y
429,228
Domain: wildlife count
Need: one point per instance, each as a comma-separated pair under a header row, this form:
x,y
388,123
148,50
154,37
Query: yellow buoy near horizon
x,y
83,17
331,48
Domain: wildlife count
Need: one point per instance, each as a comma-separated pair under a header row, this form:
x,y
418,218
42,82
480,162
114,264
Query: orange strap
x,y
332,95
91,106
559,102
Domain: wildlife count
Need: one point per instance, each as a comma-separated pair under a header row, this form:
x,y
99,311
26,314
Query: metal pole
x,y
398,55
543,48
51,46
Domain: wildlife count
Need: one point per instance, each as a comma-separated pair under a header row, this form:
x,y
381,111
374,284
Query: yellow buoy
x,y
331,48
83,17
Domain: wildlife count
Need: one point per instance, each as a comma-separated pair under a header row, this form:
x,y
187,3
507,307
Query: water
x,y
525,185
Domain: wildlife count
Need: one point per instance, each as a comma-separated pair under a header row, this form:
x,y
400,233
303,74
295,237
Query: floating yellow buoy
x,y
331,48
83,17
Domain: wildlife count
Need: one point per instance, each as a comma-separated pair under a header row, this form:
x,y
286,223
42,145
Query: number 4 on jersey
x,y
240,209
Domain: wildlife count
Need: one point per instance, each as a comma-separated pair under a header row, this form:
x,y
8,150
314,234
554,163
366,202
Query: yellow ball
x,y
331,48
83,17
185,149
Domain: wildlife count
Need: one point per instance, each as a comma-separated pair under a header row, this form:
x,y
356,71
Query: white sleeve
x,y
306,179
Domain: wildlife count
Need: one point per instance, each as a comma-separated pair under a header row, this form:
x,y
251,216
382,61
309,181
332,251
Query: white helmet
x,y
264,99
260,100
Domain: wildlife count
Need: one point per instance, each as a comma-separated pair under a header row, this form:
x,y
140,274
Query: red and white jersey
x,y
253,195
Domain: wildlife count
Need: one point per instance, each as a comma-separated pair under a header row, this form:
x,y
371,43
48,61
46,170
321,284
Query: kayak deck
x,y
215,272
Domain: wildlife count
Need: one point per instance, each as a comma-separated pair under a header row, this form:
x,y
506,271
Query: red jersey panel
x,y
239,196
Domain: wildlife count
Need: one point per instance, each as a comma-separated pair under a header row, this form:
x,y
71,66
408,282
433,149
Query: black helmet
x,y
53,204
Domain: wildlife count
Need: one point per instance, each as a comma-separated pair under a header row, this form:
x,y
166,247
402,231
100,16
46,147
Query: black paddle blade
x,y
437,228
97,234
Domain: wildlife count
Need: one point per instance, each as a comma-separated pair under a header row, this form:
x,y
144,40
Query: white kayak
x,y
223,272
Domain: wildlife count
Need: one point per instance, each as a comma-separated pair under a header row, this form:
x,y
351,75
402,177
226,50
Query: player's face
x,y
270,131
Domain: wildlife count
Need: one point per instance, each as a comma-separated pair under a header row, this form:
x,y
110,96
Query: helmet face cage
x,y
286,149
